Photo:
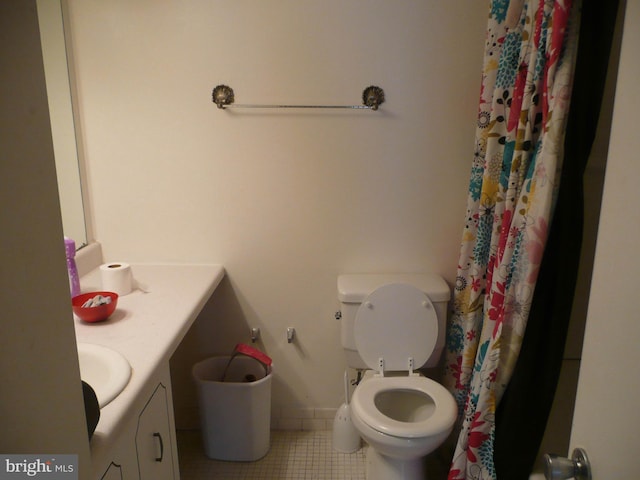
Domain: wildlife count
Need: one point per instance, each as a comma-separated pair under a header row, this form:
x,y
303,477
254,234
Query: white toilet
x,y
392,325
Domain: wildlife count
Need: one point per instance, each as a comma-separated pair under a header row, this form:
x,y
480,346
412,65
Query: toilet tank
x,y
353,289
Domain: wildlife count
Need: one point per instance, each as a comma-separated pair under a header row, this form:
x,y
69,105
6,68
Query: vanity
x,y
135,437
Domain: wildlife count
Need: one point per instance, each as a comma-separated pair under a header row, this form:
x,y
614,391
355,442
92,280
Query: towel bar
x,y
224,97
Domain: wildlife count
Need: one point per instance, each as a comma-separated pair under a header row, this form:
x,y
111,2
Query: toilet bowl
x,y
396,329
402,419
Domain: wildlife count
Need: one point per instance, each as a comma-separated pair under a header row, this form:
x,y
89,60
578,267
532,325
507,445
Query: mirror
x,y
63,129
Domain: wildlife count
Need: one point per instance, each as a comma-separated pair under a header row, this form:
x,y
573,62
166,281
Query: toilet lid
x,y
394,323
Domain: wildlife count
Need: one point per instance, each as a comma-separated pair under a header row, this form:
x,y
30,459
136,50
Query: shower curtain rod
x,y
372,97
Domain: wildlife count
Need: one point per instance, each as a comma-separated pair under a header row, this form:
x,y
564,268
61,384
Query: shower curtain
x,y
524,100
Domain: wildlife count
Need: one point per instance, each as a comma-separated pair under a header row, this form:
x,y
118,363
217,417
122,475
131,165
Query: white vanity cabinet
x,y
135,438
147,449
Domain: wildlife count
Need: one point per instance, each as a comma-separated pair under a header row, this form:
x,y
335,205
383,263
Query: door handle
x,y
159,437
561,468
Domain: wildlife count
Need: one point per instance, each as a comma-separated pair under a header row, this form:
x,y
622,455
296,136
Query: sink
x,y
106,370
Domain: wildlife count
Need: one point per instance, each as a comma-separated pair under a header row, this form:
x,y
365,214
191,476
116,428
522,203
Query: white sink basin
x,y
106,370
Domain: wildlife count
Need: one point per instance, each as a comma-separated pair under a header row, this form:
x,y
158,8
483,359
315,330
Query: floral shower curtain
x,y
524,100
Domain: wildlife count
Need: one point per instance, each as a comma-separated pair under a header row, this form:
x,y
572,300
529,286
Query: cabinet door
x,y
124,463
154,439
114,472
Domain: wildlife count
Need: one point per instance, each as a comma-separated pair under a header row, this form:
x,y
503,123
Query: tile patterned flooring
x,y
294,455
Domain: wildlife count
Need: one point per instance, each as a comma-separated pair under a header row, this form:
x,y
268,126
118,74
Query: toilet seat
x,y
396,328
363,404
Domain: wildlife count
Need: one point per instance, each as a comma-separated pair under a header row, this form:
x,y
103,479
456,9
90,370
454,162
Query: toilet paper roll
x,y
117,277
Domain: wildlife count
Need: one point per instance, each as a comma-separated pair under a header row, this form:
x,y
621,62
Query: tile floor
x,y
294,455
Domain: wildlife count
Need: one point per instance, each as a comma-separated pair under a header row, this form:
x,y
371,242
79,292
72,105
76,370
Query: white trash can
x,y
235,413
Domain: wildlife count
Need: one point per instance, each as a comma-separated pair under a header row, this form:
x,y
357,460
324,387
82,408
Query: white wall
x,y
286,200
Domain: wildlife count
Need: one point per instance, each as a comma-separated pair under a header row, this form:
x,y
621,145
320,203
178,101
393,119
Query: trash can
x,y
235,406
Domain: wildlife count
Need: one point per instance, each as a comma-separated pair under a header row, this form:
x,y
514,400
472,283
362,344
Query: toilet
x,y
393,325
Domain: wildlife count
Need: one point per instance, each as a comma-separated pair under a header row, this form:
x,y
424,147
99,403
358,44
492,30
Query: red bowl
x,y
94,314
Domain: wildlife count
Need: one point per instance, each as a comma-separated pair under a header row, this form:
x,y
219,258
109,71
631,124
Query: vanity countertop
x,y
147,326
